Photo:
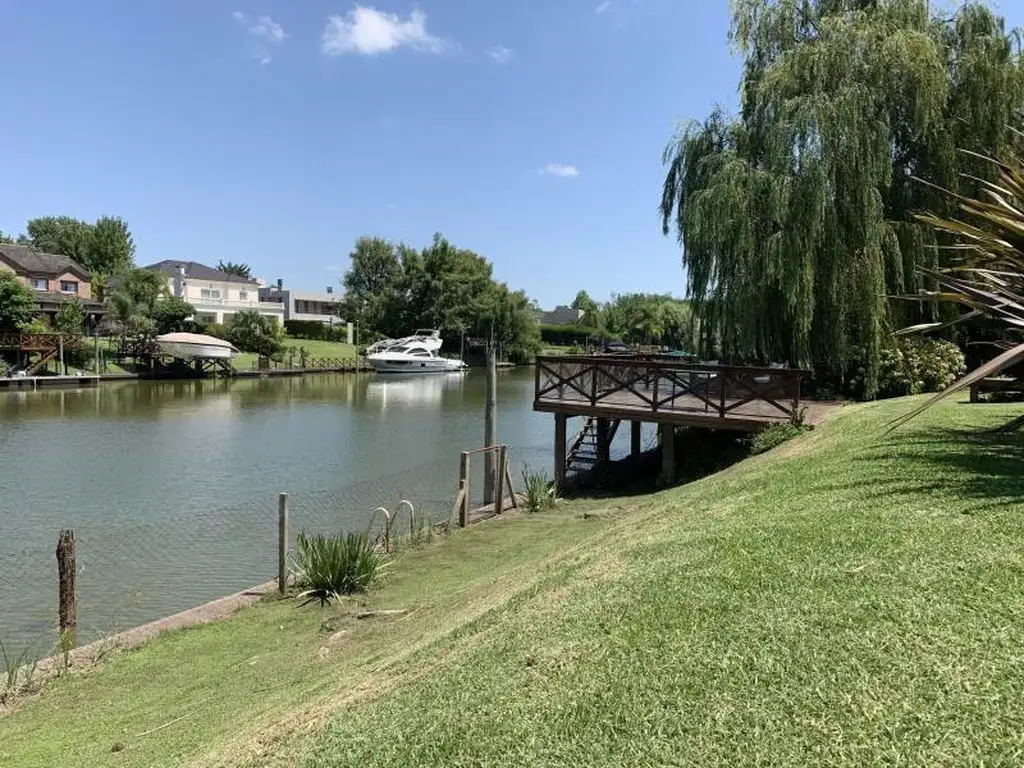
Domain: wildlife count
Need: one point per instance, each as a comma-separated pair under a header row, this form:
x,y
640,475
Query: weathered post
x,y
490,425
560,423
67,609
634,438
96,353
63,369
604,443
464,486
499,479
282,543
668,453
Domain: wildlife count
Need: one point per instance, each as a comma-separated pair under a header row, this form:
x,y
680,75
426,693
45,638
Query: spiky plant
x,y
984,269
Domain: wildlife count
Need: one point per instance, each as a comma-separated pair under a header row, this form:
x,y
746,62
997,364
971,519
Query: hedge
x,y
315,331
568,335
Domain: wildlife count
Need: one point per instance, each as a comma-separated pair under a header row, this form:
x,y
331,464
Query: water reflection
x,y
413,391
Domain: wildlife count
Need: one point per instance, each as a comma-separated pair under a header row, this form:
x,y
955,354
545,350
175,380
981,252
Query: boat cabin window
x,y
420,353
399,349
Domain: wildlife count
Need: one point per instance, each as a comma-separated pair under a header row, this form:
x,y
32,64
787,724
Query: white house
x,y
217,296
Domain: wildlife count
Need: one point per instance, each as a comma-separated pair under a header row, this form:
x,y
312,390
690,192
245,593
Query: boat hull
x,y
188,351
436,365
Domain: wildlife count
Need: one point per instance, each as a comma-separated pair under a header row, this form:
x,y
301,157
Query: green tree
x,y
591,312
17,304
70,317
143,288
252,332
794,217
231,268
104,247
171,314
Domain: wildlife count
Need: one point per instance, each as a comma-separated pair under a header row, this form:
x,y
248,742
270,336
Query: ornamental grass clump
x,y
328,567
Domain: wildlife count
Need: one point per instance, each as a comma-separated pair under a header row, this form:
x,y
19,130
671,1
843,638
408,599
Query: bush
x,y
775,435
568,335
253,332
216,330
314,331
539,490
331,566
911,366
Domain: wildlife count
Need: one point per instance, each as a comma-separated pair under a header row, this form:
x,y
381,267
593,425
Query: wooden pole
x,y
63,369
464,486
668,453
282,543
634,438
67,608
96,353
560,420
499,480
604,443
490,425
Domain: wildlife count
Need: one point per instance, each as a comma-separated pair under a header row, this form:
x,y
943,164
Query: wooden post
x,y
604,443
490,426
282,543
67,609
560,420
464,485
62,368
668,453
499,480
96,354
634,438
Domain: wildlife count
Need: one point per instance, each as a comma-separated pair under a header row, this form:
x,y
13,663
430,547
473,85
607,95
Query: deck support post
x,y
604,443
560,421
634,438
668,453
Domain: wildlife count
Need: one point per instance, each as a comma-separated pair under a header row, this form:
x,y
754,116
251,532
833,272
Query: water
x,y
171,487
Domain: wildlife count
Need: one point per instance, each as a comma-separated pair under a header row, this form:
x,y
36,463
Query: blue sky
x,y
277,132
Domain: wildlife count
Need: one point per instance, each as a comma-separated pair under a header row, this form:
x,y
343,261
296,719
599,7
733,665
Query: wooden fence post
x,y
464,483
282,543
499,479
67,609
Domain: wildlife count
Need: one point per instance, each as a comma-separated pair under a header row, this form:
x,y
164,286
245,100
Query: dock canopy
x,y
189,346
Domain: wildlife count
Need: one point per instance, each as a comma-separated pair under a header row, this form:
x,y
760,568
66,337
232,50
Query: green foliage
x,y
590,308
216,330
5,238
18,671
643,318
538,490
776,434
908,366
795,217
315,331
105,246
569,335
231,268
70,317
394,289
171,314
328,567
252,332
143,288
17,303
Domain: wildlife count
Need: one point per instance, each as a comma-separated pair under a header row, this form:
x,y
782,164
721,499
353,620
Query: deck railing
x,y
37,342
601,383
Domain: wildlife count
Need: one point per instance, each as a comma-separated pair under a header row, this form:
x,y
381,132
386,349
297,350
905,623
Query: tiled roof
x,y
196,271
28,259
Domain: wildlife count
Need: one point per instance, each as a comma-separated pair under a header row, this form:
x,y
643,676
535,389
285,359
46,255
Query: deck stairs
x,y
583,454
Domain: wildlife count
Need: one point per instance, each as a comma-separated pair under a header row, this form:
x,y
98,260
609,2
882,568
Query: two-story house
x,y
54,278
216,296
308,306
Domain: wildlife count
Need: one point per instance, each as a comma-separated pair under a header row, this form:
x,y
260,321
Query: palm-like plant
x,y
985,268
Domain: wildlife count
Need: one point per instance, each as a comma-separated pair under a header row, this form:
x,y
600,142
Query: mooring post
x,y
464,485
499,479
604,443
668,453
67,608
282,543
634,438
560,420
490,425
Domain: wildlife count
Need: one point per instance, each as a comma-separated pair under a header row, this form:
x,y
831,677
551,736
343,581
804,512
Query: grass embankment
x,y
331,350
847,599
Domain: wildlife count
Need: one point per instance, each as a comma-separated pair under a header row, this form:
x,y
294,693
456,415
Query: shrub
x,y
539,490
775,435
315,331
216,330
253,332
910,366
331,566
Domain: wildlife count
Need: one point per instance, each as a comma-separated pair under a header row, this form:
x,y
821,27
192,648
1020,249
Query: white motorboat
x,y
430,338
413,355
188,346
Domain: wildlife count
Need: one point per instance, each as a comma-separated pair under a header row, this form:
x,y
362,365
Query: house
x,y
561,316
54,278
216,296
307,306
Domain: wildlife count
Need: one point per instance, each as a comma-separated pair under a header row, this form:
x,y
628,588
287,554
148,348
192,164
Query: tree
x,y
252,332
591,314
794,217
5,238
231,268
171,314
104,247
142,288
17,304
70,317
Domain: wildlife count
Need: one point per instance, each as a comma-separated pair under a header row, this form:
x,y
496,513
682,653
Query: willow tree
x,y
795,216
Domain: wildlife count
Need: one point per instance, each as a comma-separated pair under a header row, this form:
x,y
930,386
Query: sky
x,y
277,132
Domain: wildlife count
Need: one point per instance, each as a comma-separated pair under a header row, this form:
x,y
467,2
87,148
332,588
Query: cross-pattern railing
x,y
660,386
36,342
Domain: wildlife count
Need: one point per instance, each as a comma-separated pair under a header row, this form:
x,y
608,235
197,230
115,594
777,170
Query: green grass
x,y
844,599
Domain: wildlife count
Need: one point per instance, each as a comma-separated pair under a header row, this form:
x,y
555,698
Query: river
x,y
171,487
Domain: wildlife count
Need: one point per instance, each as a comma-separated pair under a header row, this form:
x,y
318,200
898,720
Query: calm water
x,y
171,488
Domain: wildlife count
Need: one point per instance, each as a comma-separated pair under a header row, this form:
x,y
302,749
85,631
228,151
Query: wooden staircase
x,y
583,453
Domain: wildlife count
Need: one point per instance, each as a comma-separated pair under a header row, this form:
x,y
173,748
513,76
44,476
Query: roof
x,y
28,259
196,271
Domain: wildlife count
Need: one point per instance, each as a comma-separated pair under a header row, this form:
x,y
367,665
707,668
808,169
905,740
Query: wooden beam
x,y
560,424
668,453
604,443
634,437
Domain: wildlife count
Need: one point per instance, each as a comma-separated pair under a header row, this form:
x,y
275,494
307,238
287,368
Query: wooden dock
x,y
40,382
609,389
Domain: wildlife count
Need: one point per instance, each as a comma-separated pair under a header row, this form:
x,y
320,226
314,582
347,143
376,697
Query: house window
x,y
69,286
243,295
40,283
208,293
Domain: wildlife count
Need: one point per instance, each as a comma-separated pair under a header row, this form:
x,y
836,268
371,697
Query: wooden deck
x,y
672,392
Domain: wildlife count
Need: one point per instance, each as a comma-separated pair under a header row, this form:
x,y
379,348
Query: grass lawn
x,y
318,349
846,599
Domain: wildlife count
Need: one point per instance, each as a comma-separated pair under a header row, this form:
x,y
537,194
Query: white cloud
x,y
501,54
558,169
603,7
264,33
368,31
